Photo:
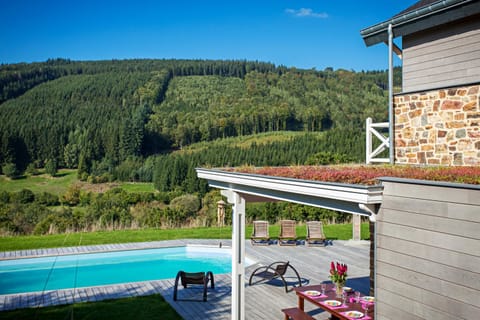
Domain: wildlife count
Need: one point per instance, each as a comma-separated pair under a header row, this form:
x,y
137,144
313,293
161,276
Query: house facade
x,y
426,234
436,117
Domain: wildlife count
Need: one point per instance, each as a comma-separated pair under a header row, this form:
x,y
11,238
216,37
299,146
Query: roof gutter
x,y
379,32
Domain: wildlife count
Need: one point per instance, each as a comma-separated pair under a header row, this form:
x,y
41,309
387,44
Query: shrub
x,y
4,197
147,215
31,169
85,198
82,176
147,196
72,196
80,221
23,218
57,222
128,169
23,196
188,203
10,170
115,218
51,167
326,158
47,199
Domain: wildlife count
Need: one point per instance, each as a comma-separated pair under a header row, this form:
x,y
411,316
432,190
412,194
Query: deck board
x,y
263,300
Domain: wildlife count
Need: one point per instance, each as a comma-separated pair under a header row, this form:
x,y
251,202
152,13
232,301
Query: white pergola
x,y
239,188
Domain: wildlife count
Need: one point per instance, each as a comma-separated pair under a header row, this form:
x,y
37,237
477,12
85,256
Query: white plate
x,y
332,303
347,289
368,298
312,293
353,314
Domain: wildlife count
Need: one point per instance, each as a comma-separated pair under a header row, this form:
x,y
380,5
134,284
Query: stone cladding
x,y
438,127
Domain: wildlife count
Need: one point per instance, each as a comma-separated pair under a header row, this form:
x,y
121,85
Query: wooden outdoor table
x,y
330,293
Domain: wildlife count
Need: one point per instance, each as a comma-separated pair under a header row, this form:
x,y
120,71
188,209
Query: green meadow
x,y
40,183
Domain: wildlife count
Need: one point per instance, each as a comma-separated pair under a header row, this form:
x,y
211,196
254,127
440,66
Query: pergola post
x,y
357,227
238,253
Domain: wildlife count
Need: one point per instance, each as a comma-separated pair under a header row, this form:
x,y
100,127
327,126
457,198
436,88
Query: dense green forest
x,y
78,113
156,120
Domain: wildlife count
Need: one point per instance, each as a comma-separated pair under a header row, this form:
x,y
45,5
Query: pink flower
x,y
338,272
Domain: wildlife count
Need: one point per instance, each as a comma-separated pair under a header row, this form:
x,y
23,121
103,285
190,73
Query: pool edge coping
x,y
64,251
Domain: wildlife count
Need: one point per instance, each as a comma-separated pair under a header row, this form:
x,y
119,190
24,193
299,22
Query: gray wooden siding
x,y
443,57
428,252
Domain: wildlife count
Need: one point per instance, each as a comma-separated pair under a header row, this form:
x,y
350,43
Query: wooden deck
x,y
263,300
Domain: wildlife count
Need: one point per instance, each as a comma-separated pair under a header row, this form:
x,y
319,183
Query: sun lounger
x,y
288,233
315,233
196,278
260,234
273,271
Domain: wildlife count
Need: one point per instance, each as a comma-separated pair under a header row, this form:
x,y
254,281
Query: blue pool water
x,y
94,269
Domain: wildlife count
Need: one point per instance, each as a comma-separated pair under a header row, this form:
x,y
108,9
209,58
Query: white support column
x,y
357,227
238,253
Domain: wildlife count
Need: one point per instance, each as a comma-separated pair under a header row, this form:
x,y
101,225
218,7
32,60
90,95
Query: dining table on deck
x,y
313,295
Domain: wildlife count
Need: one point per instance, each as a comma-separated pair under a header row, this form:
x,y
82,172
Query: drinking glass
x,y
357,296
344,296
323,286
365,307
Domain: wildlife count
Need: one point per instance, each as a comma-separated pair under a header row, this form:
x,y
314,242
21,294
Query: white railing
x,y
385,144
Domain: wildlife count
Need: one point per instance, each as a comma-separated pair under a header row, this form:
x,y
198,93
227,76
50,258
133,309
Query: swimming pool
x,y
95,269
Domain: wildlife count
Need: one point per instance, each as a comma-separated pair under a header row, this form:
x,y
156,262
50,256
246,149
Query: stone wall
x,y
438,127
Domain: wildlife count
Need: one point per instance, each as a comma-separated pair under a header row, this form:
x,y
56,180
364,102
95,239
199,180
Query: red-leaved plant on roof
x,y
368,175
338,274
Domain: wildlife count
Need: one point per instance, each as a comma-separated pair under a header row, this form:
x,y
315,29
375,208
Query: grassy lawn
x,y
148,307
138,187
59,184
41,183
339,231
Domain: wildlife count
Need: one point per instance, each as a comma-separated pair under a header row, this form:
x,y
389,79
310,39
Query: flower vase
x,y
339,289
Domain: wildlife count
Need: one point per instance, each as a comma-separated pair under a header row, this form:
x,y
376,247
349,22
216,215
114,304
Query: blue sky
x,y
303,33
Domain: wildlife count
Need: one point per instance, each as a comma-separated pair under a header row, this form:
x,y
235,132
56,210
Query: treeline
x,y
16,79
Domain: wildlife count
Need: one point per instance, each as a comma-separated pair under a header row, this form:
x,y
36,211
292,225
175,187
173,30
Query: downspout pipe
x,y
391,133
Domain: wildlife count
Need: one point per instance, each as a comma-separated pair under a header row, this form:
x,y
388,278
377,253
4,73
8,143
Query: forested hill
x,y
88,114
